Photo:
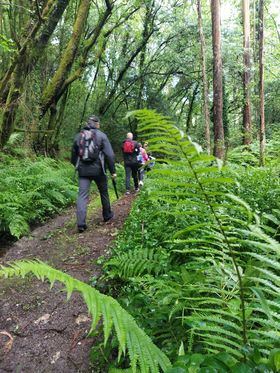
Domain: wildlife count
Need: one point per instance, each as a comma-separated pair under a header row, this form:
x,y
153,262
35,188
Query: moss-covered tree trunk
x,y
52,90
148,25
63,78
12,83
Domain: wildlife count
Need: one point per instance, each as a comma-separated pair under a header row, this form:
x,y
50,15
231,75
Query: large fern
x,y
235,304
143,354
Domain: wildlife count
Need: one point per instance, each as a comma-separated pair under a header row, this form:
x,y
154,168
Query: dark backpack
x,y
88,148
128,147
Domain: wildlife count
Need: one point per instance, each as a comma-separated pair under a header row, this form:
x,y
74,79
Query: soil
x,y
39,330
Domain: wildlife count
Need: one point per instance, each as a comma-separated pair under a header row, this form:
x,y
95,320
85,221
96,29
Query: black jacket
x,y
131,158
106,156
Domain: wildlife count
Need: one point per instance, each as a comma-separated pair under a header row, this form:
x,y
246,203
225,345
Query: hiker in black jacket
x,y
91,153
130,150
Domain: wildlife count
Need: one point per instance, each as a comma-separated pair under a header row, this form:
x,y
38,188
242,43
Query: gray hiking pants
x,y
83,196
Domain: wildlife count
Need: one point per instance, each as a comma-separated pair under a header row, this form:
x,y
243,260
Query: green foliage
x,y
31,190
217,285
223,363
137,262
142,352
6,44
259,187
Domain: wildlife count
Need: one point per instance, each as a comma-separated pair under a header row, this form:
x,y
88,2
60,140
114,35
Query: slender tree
x,y
204,79
219,142
148,23
247,126
191,107
261,81
25,60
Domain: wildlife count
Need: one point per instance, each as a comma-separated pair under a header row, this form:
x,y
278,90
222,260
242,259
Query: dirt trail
x,y
39,330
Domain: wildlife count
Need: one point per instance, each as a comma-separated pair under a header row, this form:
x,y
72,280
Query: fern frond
x,y
137,262
142,352
224,238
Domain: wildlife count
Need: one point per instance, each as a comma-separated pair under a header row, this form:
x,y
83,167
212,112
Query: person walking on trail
x,y
91,153
142,159
130,150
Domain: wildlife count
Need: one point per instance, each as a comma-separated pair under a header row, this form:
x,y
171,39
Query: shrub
x,y
30,190
193,264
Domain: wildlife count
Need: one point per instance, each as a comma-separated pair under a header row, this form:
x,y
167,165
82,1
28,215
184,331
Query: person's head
x,y
93,121
129,136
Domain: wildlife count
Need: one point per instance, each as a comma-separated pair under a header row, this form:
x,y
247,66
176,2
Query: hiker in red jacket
x,y
130,150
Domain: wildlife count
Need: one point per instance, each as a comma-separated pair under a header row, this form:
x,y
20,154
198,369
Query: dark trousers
x,y
141,173
82,201
131,169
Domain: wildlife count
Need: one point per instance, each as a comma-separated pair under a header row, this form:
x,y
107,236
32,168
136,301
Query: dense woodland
x,y
197,263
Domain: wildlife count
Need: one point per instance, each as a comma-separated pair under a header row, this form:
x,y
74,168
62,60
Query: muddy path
x,y
39,330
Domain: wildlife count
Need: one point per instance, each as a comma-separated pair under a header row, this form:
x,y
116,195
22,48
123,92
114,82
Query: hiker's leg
x,y
82,201
135,169
141,174
102,185
127,177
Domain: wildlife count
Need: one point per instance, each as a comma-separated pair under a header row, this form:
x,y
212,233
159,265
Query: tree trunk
x,y
147,25
23,51
53,88
204,80
261,81
14,79
191,106
219,142
247,126
105,105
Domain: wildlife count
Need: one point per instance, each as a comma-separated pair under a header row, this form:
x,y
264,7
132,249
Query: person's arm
x,y
74,152
109,154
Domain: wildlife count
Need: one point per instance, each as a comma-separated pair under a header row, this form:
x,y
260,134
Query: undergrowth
x,y
30,190
33,189
196,265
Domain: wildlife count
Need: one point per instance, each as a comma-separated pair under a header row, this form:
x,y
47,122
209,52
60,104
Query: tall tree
x,y
247,125
219,141
35,39
52,90
261,81
204,79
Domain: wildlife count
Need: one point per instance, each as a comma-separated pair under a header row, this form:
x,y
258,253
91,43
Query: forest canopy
x,y
62,61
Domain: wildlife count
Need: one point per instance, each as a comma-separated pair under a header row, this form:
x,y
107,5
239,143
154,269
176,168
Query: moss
x,y
53,88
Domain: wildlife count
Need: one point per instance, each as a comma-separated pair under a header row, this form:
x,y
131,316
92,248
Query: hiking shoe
x,y
141,183
109,217
137,190
127,192
82,228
